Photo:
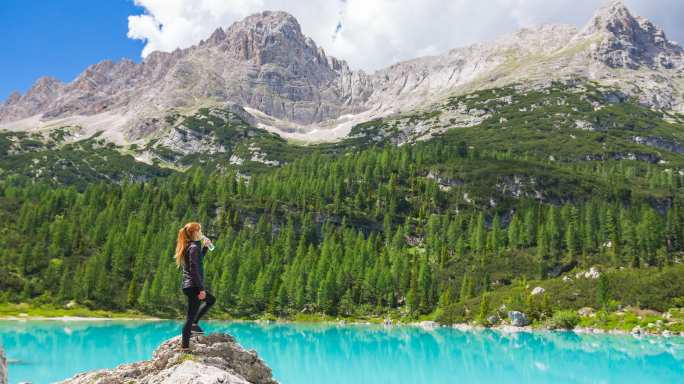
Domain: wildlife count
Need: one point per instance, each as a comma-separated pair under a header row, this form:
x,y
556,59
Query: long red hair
x,y
185,235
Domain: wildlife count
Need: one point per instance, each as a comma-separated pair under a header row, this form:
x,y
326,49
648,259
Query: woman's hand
x,y
202,295
206,241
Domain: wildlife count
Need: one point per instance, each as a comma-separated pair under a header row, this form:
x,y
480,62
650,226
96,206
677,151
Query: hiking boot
x,y
196,330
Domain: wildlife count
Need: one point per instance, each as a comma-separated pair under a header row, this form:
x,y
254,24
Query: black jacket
x,y
193,266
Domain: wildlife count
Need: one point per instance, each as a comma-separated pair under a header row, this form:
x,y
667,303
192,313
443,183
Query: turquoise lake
x,y
47,351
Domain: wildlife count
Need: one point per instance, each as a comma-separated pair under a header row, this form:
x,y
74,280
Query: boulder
x,y
592,273
215,358
585,311
538,291
637,330
493,320
3,367
428,325
518,319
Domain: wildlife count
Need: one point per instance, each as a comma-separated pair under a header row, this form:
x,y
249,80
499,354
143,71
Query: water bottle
x,y
211,245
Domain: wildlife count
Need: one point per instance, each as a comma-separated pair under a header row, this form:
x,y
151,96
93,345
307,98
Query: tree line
x,y
360,234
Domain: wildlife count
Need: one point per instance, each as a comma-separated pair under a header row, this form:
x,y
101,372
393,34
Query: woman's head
x,y
190,232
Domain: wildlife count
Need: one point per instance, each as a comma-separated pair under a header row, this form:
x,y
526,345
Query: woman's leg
x,y
206,304
193,306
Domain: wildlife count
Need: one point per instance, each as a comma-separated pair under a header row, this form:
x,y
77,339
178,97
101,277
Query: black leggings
x,y
196,309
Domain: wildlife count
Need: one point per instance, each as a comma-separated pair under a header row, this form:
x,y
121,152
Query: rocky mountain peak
x,y
613,16
265,37
13,98
628,41
216,37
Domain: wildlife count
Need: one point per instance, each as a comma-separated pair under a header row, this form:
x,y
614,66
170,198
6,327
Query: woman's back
x,y
193,271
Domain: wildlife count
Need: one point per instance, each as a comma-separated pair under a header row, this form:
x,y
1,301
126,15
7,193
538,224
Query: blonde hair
x,y
185,235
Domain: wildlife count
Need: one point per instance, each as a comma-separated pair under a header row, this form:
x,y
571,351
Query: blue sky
x,y
60,38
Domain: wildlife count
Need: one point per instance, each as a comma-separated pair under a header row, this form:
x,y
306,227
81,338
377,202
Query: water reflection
x,y
304,353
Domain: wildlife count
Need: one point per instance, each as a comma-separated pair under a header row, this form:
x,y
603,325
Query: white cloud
x,y
376,33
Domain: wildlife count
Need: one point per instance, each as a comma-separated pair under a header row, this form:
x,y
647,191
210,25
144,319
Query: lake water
x,y
46,351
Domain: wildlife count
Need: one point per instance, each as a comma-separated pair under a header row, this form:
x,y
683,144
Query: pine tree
x,y
144,298
514,232
603,290
466,289
425,286
484,308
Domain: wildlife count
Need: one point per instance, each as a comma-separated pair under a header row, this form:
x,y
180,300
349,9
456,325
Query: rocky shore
x,y
3,367
215,358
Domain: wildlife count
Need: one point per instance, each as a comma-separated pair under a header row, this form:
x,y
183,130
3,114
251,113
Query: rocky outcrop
x,y
215,358
660,143
3,367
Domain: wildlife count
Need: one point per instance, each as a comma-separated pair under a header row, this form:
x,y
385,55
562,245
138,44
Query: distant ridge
x,y
288,85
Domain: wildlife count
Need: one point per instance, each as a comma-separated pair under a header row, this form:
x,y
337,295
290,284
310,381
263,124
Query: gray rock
x,y
538,291
493,320
428,325
215,358
660,143
518,319
3,367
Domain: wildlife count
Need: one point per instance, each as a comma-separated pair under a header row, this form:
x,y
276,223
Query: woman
x,y
190,250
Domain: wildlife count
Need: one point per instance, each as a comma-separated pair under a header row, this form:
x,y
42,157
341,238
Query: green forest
x,y
449,228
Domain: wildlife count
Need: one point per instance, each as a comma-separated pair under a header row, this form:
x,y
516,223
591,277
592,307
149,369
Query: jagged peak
x,y
629,41
273,37
217,36
268,20
47,80
611,16
612,7
14,97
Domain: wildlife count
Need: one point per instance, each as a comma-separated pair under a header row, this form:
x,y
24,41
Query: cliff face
x,y
215,358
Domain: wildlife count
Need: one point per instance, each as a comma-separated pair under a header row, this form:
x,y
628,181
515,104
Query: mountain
x,y
286,84
264,62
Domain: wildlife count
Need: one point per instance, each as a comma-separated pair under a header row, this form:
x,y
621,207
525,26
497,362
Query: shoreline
x,y
77,318
425,325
